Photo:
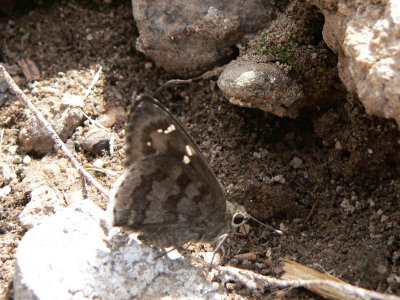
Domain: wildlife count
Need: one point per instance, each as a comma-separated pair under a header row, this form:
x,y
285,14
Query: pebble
x,y
96,140
5,191
148,65
113,115
98,163
17,159
27,160
12,149
51,169
72,100
296,162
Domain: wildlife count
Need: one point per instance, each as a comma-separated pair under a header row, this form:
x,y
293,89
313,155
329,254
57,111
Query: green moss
x,y
282,53
225,118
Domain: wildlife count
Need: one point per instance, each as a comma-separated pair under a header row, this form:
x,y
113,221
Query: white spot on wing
x,y
186,159
170,129
160,130
189,150
148,144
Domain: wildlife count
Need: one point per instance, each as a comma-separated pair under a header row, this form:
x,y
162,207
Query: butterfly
x,y
169,194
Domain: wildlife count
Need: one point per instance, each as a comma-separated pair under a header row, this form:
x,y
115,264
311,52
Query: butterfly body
x,y
168,194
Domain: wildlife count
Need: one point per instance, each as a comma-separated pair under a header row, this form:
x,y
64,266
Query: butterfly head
x,y
238,213
241,217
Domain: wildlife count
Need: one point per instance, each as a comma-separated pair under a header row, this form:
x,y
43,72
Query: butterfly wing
x,y
168,193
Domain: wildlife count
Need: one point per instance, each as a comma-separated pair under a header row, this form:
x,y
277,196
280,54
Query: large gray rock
x,y
365,35
75,254
190,37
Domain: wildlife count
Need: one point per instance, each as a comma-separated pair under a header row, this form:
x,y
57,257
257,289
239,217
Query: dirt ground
x,y
329,179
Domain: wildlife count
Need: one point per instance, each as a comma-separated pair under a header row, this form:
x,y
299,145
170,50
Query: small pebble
x,y
5,191
148,65
12,149
98,163
296,162
27,160
72,100
338,146
17,159
257,155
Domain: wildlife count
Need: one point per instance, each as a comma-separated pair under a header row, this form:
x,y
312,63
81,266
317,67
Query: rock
x,y
365,35
112,116
44,202
87,259
4,191
27,160
7,173
260,85
96,140
35,138
286,67
72,100
296,162
188,38
98,163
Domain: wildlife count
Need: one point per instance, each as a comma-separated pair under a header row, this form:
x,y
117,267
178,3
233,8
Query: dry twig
x,y
253,280
58,142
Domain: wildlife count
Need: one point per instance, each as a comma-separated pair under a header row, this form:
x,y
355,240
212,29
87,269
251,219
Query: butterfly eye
x,y
238,219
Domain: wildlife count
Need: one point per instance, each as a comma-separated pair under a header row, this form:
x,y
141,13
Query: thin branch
x,y
207,75
253,280
58,142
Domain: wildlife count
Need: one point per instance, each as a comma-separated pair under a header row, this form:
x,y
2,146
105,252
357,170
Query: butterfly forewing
x,y
168,186
153,129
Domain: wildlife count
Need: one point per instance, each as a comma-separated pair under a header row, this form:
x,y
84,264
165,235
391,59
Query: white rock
x,y
98,163
44,202
12,149
365,35
27,160
72,100
75,254
5,191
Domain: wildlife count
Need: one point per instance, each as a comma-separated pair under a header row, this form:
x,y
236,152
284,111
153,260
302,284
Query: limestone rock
x,y
35,138
365,35
190,37
75,254
44,202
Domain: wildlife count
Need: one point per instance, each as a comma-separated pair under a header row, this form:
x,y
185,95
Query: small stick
x,y
1,139
207,75
254,280
58,142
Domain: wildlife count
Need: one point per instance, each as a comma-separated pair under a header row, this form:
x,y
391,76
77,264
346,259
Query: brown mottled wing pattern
x,y
168,194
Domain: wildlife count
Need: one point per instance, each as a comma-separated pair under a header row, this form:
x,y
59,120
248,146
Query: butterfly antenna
x,y
280,232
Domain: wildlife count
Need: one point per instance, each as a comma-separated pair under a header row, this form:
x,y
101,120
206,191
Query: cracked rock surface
x,y
75,254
